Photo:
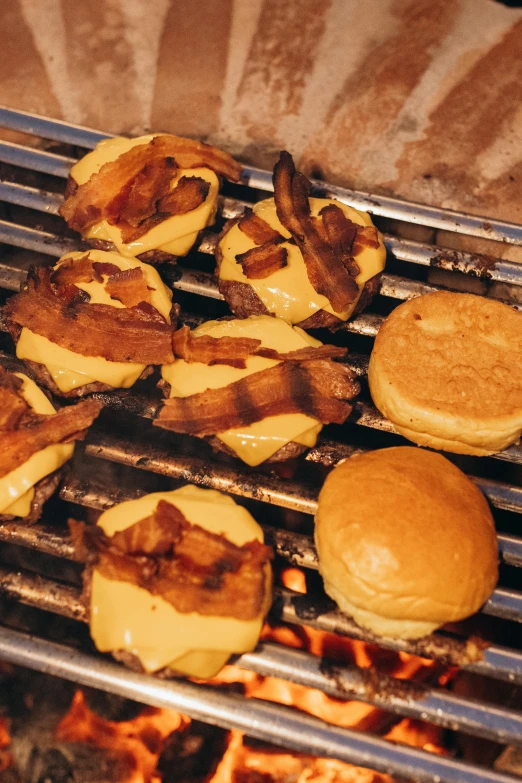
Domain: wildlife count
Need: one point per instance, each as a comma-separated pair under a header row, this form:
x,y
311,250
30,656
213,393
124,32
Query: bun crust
x,y
406,542
446,370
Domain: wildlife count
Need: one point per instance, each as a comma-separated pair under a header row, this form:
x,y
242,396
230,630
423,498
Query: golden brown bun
x,y
446,370
406,542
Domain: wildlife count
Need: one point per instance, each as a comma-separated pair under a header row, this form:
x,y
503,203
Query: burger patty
x,y
42,376
43,490
243,300
149,257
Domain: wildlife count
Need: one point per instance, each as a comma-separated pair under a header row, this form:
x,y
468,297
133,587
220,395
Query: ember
x,y
6,757
140,741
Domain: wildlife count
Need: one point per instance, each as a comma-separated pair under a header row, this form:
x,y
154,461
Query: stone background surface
x,y
421,98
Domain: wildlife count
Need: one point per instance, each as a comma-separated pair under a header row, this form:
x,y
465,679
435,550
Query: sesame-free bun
x,y
446,370
406,542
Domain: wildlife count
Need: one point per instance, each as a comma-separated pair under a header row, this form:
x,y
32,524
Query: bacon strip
x,y
257,229
151,184
118,335
326,271
317,389
105,194
188,194
38,432
309,354
233,351
191,568
367,236
341,233
262,261
128,286
12,404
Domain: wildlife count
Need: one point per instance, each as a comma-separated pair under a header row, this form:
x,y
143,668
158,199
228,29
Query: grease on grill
x,y
372,684
474,265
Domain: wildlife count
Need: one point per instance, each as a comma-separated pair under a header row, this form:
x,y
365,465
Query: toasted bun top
x,y
403,533
454,353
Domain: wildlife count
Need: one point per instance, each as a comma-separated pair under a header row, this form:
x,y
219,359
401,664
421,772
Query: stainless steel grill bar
x,y
262,720
33,198
385,206
496,662
405,698
147,455
403,249
56,130
392,286
35,159
407,211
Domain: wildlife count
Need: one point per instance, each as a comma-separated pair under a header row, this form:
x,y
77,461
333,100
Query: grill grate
x,y
270,722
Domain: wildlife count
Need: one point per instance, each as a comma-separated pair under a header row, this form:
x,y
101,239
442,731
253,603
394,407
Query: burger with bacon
x,y
312,261
147,197
93,322
176,581
36,442
257,387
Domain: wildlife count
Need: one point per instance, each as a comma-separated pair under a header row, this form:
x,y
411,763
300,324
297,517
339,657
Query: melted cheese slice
x,y
288,293
176,234
16,488
126,617
70,370
259,441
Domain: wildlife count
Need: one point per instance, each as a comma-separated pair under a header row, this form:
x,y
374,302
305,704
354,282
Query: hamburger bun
x,y
406,542
446,370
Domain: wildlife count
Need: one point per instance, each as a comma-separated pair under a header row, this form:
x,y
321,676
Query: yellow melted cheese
x,y
126,617
176,234
70,370
259,441
288,293
16,487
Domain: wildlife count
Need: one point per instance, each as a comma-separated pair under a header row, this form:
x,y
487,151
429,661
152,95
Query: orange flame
x,y
140,741
6,757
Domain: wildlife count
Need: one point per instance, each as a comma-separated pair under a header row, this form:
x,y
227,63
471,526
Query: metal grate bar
x,y
35,159
263,720
405,698
386,206
56,130
496,662
402,249
147,455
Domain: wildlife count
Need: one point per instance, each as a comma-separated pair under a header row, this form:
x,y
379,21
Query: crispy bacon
x,y
118,335
129,287
326,271
105,194
191,568
341,233
12,404
317,389
75,270
257,229
367,236
189,193
308,354
38,432
262,261
150,185
233,351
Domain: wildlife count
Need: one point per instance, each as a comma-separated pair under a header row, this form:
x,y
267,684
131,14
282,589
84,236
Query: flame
x,y
140,741
6,757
